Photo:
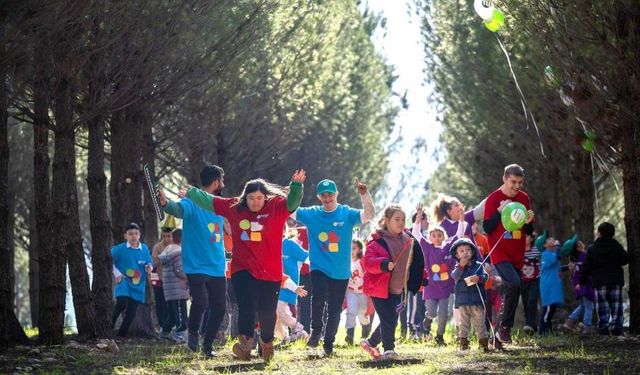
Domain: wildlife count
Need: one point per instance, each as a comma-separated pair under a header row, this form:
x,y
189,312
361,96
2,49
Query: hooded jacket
x,y
468,295
605,258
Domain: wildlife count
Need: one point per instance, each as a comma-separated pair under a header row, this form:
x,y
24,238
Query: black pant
x,y
386,330
304,303
546,325
176,316
330,292
256,296
207,292
510,293
127,305
530,292
161,305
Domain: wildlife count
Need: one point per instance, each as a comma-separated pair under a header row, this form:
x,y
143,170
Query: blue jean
x,y
510,293
585,307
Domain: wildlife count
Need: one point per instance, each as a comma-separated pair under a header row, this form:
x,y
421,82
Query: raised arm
x,y
368,209
416,229
201,198
170,207
294,197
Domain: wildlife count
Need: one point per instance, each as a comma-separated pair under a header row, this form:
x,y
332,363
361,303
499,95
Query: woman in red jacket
x,y
393,265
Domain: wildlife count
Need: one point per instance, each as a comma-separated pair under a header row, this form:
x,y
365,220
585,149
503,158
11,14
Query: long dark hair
x,y
267,188
441,205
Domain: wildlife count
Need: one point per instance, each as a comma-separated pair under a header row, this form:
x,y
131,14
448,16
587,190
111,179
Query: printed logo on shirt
x,y
329,241
134,275
440,272
515,235
262,216
251,231
214,228
338,224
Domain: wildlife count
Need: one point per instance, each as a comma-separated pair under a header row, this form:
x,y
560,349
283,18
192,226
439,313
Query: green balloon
x,y
588,145
514,215
590,134
496,22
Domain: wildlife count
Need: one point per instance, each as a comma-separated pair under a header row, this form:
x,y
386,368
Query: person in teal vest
x,y
131,263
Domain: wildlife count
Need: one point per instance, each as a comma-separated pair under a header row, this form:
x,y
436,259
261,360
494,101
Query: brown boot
x,y
267,351
242,349
464,343
484,344
570,325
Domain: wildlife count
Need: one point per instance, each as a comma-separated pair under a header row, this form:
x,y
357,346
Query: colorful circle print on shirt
x,y
440,272
215,232
134,275
329,241
251,230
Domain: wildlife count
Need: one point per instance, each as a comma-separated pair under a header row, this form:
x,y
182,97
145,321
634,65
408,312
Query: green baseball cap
x,y
326,186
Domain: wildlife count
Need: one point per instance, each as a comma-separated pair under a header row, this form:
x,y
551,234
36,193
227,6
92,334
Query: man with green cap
x,y
330,227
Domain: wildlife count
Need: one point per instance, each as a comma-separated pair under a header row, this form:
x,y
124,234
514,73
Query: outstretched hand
x,y
531,217
299,176
184,190
419,212
301,291
162,199
362,188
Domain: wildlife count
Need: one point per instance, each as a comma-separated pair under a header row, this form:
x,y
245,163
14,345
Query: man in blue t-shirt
x,y
203,259
330,228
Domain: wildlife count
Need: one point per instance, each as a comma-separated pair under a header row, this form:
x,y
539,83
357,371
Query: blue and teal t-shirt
x,y
131,262
330,236
292,257
202,241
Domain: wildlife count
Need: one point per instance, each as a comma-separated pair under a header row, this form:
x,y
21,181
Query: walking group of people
x,y
399,274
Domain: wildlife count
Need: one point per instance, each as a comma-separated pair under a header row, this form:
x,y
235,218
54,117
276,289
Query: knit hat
x,y
464,241
210,173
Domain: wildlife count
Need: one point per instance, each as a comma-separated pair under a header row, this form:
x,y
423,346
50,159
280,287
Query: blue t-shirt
x,y
330,238
130,262
292,257
202,241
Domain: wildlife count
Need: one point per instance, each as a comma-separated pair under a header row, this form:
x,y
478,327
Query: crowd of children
x,y
431,271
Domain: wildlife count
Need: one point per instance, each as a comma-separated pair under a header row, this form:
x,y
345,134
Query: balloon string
x,y
523,100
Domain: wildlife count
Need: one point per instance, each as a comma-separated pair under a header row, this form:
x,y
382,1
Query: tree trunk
x,y
584,197
126,193
148,155
631,183
101,238
41,237
11,332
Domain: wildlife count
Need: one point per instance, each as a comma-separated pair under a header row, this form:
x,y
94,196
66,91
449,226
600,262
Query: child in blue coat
x,y
551,294
131,263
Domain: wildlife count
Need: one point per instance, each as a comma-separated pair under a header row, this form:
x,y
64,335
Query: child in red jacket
x,y
393,265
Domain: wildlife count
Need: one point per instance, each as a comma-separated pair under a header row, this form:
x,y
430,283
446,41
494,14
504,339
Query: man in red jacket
x,y
508,247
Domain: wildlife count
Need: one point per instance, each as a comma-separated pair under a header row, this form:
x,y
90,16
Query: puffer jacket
x,y
174,279
605,258
468,295
376,272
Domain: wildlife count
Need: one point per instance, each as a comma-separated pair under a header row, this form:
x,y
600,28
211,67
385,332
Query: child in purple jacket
x,y
438,263
585,295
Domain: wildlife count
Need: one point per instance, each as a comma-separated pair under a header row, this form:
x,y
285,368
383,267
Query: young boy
x,y
605,258
176,291
551,294
469,293
131,263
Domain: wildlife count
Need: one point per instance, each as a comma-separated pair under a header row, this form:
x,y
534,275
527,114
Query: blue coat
x,y
550,283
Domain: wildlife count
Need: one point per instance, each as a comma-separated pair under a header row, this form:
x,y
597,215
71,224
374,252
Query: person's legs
x,y
267,305
351,299
337,289
363,318
304,303
530,295
285,316
129,315
199,301
431,312
443,314
162,309
614,297
247,294
388,315
182,315
216,304
602,307
465,323
587,305
511,293
320,292
170,321
121,304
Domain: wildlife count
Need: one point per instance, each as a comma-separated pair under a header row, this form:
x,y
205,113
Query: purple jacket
x,y
439,264
585,290
451,227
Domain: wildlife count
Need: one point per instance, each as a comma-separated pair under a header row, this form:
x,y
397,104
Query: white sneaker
x,y
180,337
165,334
302,334
389,355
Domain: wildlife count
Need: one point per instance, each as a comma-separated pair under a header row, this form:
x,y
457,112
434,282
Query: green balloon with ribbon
x,y
495,23
514,215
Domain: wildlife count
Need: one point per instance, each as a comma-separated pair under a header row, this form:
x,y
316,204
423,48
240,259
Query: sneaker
x,y
503,335
389,355
208,352
192,340
529,330
302,334
570,325
313,341
372,351
179,337
349,338
328,351
440,340
165,334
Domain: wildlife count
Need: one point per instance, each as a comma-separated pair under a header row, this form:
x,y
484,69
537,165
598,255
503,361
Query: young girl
x,y
438,264
356,300
257,219
584,294
551,293
393,263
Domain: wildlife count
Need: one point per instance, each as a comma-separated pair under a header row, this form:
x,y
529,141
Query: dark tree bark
x,y
584,198
10,330
101,237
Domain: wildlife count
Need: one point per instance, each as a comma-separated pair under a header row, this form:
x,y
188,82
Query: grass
x,y
555,354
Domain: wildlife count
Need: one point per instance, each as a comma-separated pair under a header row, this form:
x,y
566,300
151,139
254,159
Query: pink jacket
x,y
376,274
